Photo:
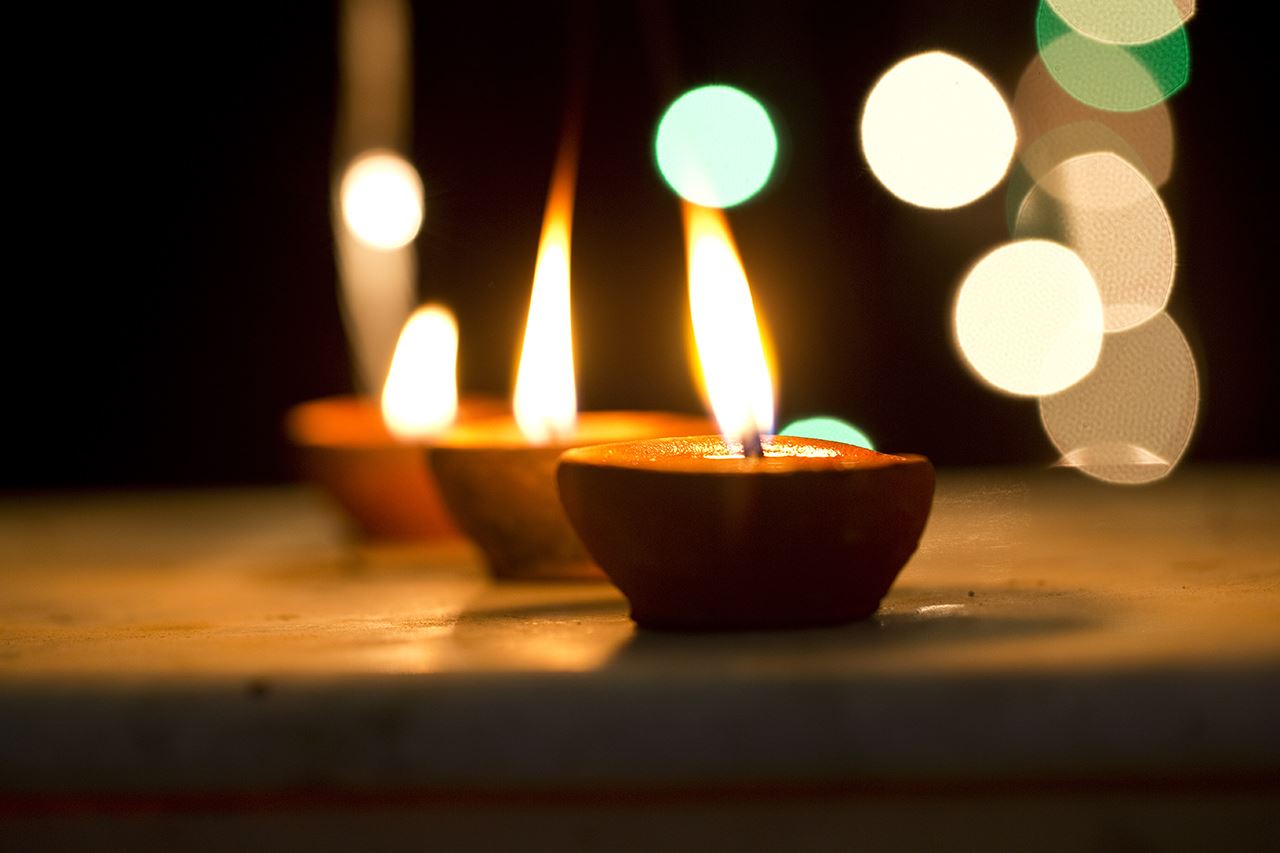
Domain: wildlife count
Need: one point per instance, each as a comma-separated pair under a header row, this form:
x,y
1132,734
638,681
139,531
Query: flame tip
x,y
726,330
545,397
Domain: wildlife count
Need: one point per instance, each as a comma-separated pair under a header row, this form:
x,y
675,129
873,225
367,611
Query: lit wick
x,y
726,333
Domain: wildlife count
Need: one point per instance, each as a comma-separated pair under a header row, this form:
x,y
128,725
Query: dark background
x,y
173,276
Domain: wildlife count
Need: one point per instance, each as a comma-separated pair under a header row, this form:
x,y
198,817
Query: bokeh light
x,y
1112,76
827,428
381,198
1124,21
936,132
716,146
1131,419
1097,458
1049,151
1053,125
1028,318
1112,217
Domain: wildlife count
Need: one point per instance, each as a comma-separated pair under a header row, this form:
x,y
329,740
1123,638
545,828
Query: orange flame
x,y
545,400
420,397
734,367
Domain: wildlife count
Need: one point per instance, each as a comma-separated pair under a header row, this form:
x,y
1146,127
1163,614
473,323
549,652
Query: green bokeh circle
x,y
1116,77
827,428
716,146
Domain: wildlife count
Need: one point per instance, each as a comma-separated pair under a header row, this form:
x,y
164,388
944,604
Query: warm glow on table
x,y
239,636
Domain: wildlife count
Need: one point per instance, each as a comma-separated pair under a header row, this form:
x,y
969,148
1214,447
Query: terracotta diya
x,y
501,487
382,484
368,454
699,537
747,530
498,476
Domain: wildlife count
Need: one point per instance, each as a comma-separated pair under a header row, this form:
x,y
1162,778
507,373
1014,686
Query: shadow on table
x,y
959,620
589,623
565,627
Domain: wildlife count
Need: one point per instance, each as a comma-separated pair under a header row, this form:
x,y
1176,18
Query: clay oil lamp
x,y
498,475
743,530
500,485
367,454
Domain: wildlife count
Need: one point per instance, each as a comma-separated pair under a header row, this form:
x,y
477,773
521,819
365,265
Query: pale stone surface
x,y
1050,627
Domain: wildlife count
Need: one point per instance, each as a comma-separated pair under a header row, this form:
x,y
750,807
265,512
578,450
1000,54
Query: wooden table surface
x,y
1050,628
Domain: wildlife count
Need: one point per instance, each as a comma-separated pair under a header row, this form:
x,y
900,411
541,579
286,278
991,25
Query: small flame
x,y
734,369
381,197
420,397
546,400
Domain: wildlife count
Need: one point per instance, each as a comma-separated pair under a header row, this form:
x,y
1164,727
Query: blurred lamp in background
x,y
420,397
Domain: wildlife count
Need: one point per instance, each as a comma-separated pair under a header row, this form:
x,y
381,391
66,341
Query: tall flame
x,y
734,368
546,400
420,397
